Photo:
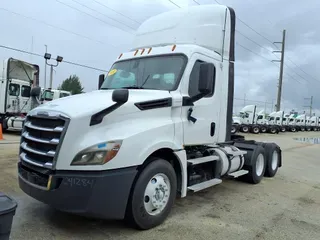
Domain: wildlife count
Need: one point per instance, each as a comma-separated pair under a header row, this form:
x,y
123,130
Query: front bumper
x,y
101,194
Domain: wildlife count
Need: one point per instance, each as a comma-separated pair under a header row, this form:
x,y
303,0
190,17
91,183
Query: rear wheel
x,y
258,167
273,155
255,129
283,129
233,129
245,129
153,195
263,129
293,129
302,129
273,130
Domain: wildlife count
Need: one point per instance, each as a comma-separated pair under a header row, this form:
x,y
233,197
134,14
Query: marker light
x,y
142,51
120,56
97,154
136,52
173,48
149,50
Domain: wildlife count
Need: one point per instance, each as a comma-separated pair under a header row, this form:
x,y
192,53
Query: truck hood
x,y
90,103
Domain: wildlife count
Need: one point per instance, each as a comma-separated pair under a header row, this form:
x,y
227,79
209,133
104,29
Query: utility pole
x,y
45,70
51,76
281,69
310,106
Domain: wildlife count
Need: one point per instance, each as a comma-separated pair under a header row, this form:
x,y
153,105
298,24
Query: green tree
x,y
72,84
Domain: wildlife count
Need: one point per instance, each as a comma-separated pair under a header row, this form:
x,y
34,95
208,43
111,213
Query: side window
x,y
25,91
194,80
277,118
14,89
260,117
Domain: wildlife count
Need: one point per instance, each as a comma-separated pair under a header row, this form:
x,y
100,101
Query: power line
x,y
50,25
302,70
39,55
101,4
88,14
252,52
85,6
253,41
174,3
247,25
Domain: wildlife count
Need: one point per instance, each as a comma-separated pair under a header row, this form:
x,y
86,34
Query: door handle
x,y
212,129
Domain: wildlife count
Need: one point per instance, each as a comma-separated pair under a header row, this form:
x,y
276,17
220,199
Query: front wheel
x,y
153,195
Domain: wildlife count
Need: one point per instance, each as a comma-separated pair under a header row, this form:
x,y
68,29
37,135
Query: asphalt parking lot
x,y
284,207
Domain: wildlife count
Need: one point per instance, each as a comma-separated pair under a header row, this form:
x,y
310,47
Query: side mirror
x,y
206,77
35,92
120,95
101,80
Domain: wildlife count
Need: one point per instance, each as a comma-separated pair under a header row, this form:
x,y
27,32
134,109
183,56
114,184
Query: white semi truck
x,y
254,122
16,79
159,127
49,94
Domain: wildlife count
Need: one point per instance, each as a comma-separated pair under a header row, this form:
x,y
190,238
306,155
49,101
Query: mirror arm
x,y
199,96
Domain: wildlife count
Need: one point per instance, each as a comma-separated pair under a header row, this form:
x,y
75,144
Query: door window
x,y
25,91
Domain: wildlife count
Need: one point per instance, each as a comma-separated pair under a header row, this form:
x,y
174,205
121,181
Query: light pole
x,y
47,56
45,70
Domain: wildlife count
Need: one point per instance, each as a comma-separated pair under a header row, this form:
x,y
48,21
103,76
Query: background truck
x,y
254,122
16,79
159,127
49,94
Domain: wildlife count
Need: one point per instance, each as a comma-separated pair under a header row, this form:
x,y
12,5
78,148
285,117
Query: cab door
x,y
13,97
205,112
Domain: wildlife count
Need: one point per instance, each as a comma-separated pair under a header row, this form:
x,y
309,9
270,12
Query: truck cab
x,y
49,94
158,127
17,78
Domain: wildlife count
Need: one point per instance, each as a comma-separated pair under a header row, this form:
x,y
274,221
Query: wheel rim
x,y
157,194
274,161
256,130
233,129
259,164
263,130
273,130
245,129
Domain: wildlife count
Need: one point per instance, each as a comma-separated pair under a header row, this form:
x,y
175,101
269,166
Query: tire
x,y
308,129
263,129
282,129
302,129
233,129
245,129
258,167
150,180
273,158
273,130
255,129
293,129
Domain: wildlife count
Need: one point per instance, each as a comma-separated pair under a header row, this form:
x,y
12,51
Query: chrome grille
x,y
41,138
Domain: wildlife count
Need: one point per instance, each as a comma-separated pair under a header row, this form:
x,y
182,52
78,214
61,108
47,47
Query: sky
x,y
95,32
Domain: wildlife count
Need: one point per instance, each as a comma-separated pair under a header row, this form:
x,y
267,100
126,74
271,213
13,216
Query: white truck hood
x,y
90,103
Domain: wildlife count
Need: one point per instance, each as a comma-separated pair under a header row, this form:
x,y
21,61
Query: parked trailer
x,y
140,148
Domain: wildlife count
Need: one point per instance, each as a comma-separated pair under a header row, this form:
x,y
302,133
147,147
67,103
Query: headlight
x,y
98,154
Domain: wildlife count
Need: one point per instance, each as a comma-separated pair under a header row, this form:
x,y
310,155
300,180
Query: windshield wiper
x,y
133,87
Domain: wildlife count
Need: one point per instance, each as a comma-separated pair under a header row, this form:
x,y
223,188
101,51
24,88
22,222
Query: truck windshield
x,y
159,73
47,95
